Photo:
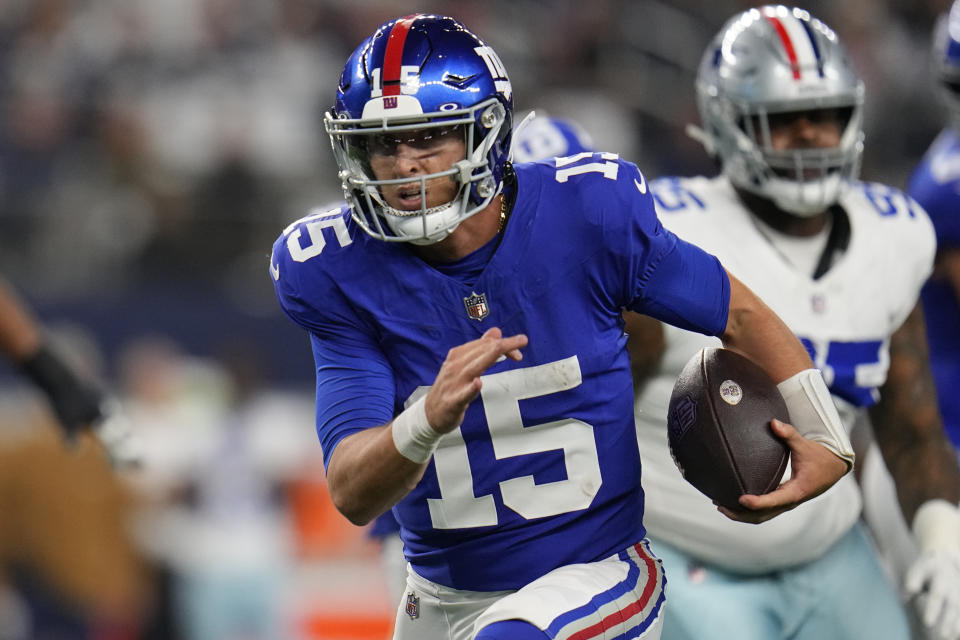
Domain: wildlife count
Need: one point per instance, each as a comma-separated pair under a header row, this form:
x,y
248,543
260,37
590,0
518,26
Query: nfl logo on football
x,y
413,605
476,305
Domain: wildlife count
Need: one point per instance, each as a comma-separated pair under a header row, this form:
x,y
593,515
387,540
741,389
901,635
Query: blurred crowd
x,y
150,153
169,141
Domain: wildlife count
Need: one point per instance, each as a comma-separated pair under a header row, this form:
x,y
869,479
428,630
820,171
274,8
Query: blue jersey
x,y
544,469
935,184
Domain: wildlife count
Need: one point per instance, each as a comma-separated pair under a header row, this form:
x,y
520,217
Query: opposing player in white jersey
x,y
842,262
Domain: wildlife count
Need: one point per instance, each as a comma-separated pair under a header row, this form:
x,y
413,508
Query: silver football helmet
x,y
946,54
769,61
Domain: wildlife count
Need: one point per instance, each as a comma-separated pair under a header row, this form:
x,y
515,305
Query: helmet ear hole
x,y
493,116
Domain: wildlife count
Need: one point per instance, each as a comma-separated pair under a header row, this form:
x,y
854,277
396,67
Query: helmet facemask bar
x,y
476,186
802,181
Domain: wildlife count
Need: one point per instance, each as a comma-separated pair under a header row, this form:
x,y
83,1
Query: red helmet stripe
x,y
787,45
393,57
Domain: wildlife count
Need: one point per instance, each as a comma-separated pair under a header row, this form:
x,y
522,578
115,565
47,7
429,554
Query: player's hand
x,y
814,470
933,583
458,381
117,436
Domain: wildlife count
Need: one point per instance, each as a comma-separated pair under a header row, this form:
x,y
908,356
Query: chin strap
x,y
516,131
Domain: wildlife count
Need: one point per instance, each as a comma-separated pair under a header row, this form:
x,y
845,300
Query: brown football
x,y
718,426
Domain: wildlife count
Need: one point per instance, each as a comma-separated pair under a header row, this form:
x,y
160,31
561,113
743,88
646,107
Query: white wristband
x,y
813,413
936,526
413,436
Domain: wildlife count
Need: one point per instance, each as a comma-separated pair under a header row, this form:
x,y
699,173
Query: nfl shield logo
x,y
413,605
476,305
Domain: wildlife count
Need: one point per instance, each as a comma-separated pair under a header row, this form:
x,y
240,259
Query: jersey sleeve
x,y
355,387
670,279
689,289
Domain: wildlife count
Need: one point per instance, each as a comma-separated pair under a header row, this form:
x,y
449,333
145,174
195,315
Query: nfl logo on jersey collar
x,y
819,303
476,305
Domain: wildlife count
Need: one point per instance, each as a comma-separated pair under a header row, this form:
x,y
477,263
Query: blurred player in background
x,y
936,185
842,262
66,551
540,137
471,363
79,403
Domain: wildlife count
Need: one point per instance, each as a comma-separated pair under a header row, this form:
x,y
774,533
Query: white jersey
x,y
845,319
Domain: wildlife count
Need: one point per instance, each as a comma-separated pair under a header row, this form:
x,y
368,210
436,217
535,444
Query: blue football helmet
x,y
421,76
776,60
544,136
946,52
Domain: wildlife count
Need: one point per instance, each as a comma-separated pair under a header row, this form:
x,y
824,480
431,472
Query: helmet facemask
x,y
356,142
803,181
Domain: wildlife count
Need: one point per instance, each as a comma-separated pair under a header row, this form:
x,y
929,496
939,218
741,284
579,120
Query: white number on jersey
x,y
888,201
567,166
501,393
315,224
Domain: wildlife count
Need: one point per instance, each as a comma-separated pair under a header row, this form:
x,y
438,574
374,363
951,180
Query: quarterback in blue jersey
x,y
842,262
935,184
537,137
465,318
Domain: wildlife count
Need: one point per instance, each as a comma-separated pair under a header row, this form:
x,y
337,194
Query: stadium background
x,y
150,153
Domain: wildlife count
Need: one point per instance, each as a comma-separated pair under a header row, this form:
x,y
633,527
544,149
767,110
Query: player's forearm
x,y
949,262
367,474
908,426
19,334
756,332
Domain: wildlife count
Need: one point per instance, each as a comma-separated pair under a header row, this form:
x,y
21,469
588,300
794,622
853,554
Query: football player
x,y
465,319
78,403
936,185
842,262
536,137
542,137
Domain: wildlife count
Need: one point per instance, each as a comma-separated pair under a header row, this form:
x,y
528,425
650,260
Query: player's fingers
x,y
493,333
931,612
751,516
783,498
489,349
916,578
512,346
785,430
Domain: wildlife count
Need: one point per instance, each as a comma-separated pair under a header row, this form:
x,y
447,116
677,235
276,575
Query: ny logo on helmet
x,y
496,69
